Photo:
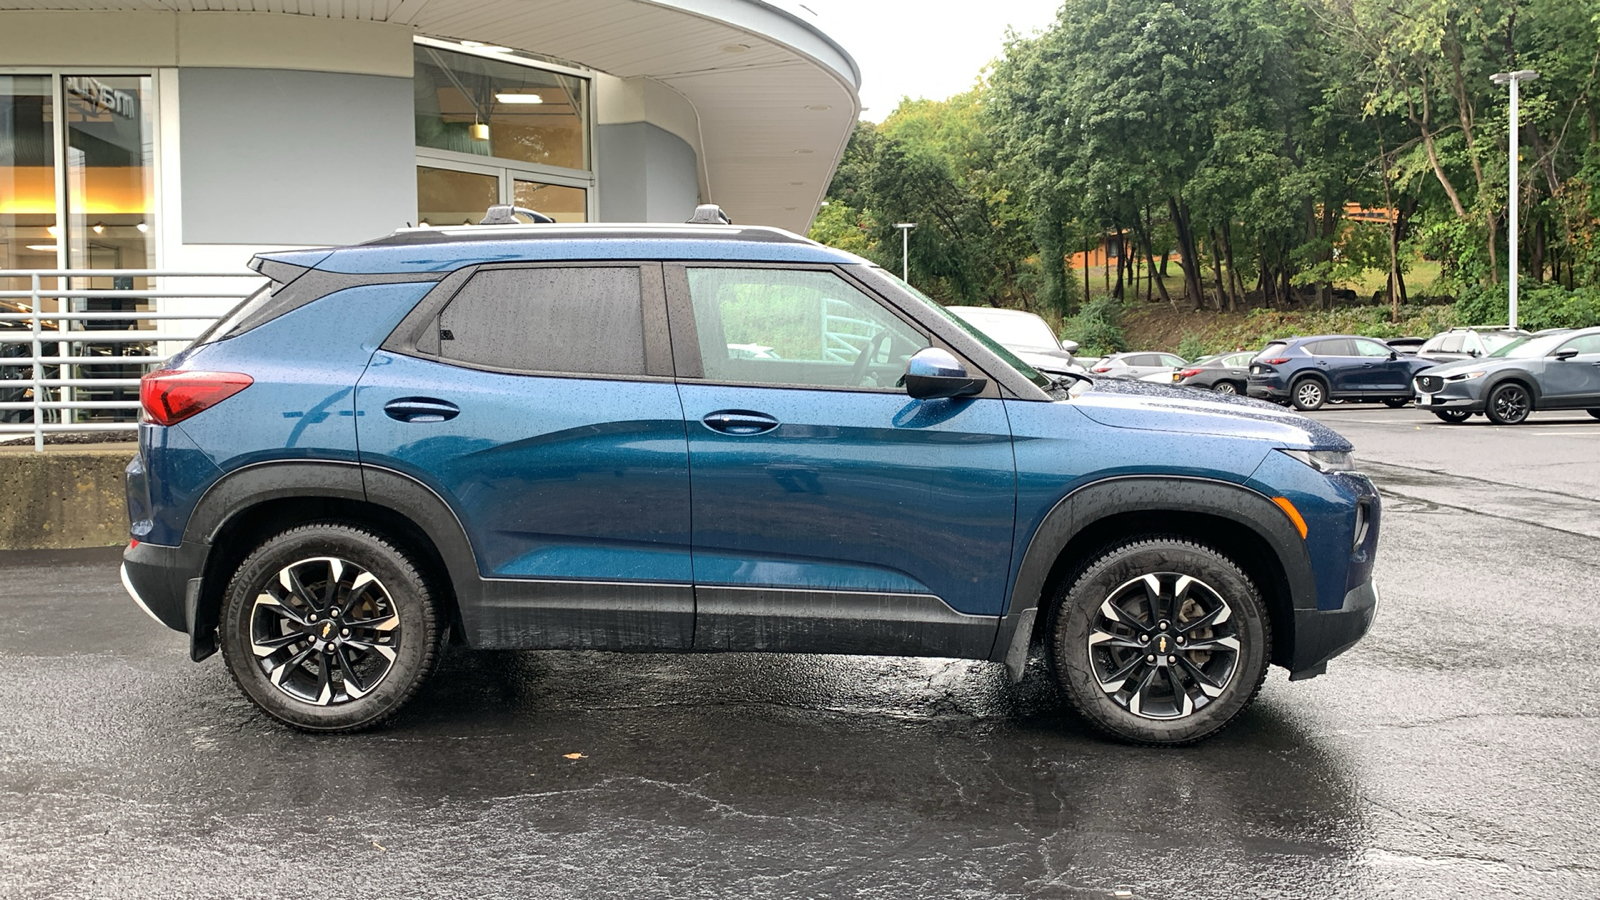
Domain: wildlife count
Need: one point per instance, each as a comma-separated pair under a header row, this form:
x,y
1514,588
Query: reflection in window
x,y
564,204
448,197
27,176
486,107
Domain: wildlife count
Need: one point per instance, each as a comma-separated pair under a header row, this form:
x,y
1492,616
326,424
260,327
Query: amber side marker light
x,y
1293,514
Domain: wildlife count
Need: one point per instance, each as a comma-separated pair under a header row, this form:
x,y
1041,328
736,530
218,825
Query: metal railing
x,y
77,369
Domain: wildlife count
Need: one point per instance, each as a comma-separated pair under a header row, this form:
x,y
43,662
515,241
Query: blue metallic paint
x,y
1328,506
854,491
553,477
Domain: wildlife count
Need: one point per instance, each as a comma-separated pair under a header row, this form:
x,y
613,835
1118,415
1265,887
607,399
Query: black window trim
x,y
406,337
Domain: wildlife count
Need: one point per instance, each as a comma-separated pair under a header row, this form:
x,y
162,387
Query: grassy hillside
x,y
1151,326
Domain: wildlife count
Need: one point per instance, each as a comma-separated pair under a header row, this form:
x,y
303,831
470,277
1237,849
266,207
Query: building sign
x,y
101,97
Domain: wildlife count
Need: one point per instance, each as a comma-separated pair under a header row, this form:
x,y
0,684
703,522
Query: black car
x,y
1225,374
1310,371
1556,371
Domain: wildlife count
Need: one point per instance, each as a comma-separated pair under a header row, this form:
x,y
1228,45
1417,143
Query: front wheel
x,y
1396,402
329,627
1452,416
1160,640
1509,404
1308,395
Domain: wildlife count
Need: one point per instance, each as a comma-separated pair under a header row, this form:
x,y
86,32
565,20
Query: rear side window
x,y
579,321
1336,347
1272,350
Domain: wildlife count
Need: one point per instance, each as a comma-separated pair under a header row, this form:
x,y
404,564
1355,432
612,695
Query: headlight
x,y
1465,376
1328,461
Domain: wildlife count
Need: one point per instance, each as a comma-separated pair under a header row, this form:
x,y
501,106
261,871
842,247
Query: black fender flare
x,y
249,486
1525,379
1080,509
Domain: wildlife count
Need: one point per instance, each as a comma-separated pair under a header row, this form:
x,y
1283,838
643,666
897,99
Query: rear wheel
x,y
1509,404
329,627
1452,416
1226,387
1160,641
1308,395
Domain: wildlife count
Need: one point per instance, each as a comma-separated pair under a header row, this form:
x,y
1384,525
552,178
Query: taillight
x,y
1188,373
170,396
1102,369
1275,362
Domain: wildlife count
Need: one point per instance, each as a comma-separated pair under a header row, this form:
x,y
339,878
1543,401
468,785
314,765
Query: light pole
x,y
1513,78
905,245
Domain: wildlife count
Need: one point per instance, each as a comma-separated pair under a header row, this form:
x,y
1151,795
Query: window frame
x,y
686,334
409,337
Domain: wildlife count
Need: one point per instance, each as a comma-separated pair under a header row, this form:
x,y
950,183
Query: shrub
x,y
1098,327
1539,306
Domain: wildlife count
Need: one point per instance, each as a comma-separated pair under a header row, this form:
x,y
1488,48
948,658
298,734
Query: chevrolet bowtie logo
x,y
327,629
1162,646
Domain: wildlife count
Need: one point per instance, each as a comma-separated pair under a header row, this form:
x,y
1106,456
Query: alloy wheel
x,y
1225,387
1308,394
324,631
1164,645
1509,404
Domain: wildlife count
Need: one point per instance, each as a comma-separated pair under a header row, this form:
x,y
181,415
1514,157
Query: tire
x,y
1226,387
275,618
1102,629
1396,402
1509,404
1308,394
1452,416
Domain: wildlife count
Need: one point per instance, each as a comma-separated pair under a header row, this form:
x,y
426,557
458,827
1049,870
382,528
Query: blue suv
x,y
1310,371
712,438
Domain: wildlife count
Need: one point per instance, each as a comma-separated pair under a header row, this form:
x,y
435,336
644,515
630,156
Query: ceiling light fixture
x,y
142,227
44,248
735,48
805,151
478,131
473,44
98,228
526,99
52,230
819,107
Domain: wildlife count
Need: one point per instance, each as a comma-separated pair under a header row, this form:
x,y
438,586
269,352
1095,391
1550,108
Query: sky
x,y
922,48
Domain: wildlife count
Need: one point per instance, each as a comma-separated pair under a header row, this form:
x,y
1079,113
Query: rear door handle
x,y
421,409
739,421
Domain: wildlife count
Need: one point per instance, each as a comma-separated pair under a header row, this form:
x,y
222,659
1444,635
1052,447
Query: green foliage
x,y
1097,328
1192,347
1222,334
1538,306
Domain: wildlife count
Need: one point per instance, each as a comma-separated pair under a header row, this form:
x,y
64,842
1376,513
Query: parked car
x,y
1310,371
1228,373
1555,371
1026,335
492,435
1137,365
1406,345
1468,343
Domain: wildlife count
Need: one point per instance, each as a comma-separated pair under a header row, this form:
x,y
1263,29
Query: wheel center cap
x,y
1162,644
326,630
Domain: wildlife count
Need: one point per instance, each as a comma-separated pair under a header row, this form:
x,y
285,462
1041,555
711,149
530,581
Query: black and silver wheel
x,y
1225,387
1161,641
1396,402
1452,416
1308,395
1509,404
329,627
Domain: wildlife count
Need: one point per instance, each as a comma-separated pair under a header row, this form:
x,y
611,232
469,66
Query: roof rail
x,y
506,214
709,214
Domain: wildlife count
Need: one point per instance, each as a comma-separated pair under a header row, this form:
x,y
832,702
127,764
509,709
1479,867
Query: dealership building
x,y
188,135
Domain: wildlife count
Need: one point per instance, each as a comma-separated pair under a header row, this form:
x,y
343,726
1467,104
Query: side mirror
x,y
1566,353
1474,353
934,373
1394,355
1070,346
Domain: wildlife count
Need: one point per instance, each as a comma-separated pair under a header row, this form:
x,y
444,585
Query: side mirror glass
x,y
1566,353
934,373
1394,354
1070,346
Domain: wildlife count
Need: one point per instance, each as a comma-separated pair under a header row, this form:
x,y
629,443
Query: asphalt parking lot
x,y
1451,754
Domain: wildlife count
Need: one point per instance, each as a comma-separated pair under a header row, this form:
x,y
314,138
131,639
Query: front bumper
x,y
1466,396
1322,634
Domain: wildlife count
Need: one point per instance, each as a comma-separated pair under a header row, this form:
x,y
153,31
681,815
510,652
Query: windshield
x,y
1530,347
1496,340
1010,358
1012,328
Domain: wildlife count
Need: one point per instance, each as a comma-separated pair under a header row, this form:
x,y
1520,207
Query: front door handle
x,y
739,421
421,409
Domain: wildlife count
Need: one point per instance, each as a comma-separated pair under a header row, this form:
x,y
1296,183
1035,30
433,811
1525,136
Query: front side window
x,y
1372,349
1589,343
576,321
796,327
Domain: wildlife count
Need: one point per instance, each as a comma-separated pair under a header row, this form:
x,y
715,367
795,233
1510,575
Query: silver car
x,y
1140,365
1025,335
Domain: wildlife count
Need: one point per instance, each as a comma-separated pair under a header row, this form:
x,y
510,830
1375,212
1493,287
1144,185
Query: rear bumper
x,y
164,581
1322,634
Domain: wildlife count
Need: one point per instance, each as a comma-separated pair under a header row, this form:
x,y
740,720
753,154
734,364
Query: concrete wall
x,y
62,498
272,156
646,174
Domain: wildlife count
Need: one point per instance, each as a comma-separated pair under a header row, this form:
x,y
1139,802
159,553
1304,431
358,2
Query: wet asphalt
x,y
1451,754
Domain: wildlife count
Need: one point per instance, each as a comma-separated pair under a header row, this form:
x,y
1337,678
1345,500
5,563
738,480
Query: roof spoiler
x,y
290,264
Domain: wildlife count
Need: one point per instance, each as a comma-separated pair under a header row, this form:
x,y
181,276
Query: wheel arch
x,y
250,504
1236,521
1526,380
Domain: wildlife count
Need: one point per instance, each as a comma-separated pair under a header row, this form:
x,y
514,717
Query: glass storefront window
x,y
448,197
28,225
486,107
559,202
110,172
